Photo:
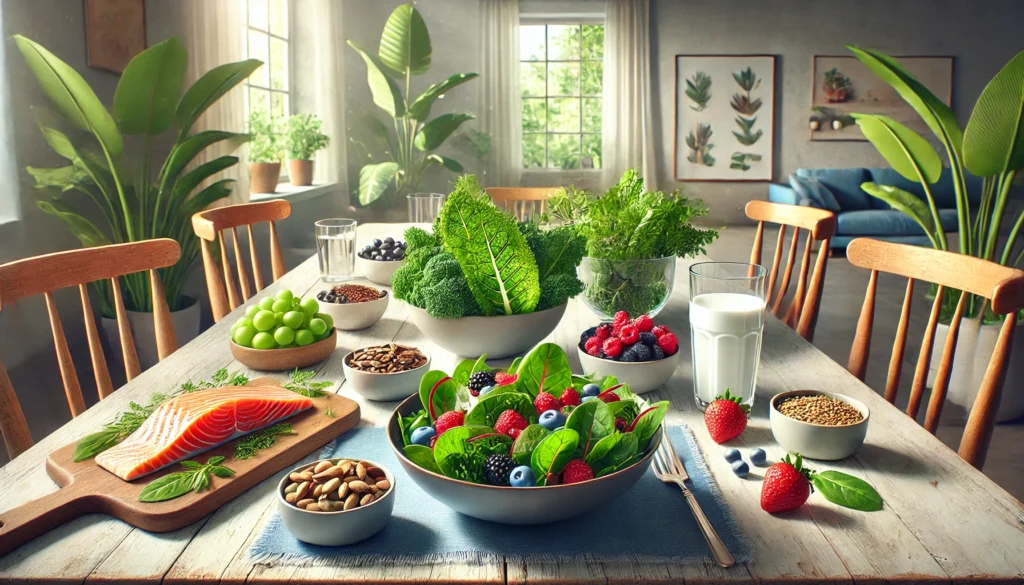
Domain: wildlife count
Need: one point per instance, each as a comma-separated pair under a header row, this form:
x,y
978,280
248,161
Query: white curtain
x,y
215,36
330,90
628,140
500,108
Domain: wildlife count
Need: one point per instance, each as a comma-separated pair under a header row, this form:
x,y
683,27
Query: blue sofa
x,y
859,214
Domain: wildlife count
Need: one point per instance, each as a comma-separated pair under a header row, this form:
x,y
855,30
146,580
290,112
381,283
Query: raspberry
x,y
604,331
509,420
629,335
643,323
576,471
620,318
595,351
592,343
504,379
570,397
660,330
612,347
668,343
453,418
514,433
545,401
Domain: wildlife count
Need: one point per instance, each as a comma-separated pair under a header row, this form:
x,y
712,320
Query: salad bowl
x,y
498,337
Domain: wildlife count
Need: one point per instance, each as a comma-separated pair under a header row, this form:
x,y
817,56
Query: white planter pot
x,y
974,346
184,321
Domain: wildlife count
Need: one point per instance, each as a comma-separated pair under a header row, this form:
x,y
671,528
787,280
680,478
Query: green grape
x,y
284,335
305,320
326,319
279,318
317,326
264,321
241,323
281,306
324,336
243,335
296,302
266,303
293,319
310,306
263,340
251,311
303,337
285,295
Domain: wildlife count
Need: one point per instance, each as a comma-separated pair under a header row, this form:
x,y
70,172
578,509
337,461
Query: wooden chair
x,y
802,313
999,285
44,274
523,202
209,225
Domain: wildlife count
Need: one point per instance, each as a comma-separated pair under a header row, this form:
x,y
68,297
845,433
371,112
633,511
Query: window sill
x,y
294,194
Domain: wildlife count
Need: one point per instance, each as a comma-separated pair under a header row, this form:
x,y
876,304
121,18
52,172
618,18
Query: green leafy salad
x,y
534,424
480,262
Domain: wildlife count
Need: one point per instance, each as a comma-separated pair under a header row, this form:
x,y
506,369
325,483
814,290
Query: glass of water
x,y
727,304
336,248
424,207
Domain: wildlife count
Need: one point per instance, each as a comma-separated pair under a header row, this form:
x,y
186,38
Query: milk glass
x,y
727,304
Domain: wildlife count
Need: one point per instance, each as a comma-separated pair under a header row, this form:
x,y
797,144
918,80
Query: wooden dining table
x,y
942,520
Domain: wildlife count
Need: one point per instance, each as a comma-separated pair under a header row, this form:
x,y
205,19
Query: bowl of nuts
x,y
353,306
819,425
336,501
385,372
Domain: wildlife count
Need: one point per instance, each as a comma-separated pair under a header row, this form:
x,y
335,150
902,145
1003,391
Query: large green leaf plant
x,y
137,198
991,147
405,51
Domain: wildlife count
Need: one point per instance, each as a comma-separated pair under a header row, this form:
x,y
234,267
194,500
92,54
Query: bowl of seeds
x,y
819,425
335,502
353,306
385,372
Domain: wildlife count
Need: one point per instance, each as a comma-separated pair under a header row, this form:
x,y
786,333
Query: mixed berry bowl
x,y
636,351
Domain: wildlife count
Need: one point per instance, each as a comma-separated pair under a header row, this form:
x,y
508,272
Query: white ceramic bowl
x,y
509,505
815,441
378,271
641,376
337,528
384,387
498,337
353,316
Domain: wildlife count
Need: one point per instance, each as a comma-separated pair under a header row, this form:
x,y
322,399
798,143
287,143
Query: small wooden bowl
x,y
279,360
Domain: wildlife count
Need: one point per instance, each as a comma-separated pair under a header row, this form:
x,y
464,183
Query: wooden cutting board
x,y
87,488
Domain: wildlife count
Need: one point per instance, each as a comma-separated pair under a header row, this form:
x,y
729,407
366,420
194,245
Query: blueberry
x,y
377,243
657,353
732,455
589,398
389,240
398,253
758,457
388,256
386,246
642,352
422,436
522,476
551,420
649,339
367,248
591,390
740,468
486,389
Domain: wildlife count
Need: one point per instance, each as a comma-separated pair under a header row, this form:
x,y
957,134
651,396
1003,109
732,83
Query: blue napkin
x,y
649,523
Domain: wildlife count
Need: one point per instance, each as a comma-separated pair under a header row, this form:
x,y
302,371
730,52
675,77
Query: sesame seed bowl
x,y
818,425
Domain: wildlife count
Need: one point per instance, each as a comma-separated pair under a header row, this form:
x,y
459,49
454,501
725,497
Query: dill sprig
x,y
261,439
301,383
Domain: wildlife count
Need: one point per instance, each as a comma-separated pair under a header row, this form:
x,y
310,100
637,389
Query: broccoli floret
x,y
441,288
441,266
406,278
558,289
417,238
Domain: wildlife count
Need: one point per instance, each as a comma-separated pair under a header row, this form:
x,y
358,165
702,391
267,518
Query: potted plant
x,y
135,197
303,139
990,147
264,153
838,87
633,238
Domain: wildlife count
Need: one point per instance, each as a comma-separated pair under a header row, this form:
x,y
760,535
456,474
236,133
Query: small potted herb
x,y
303,139
264,152
632,240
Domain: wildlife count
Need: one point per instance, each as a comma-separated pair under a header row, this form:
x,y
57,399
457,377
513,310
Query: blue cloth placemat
x,y
649,523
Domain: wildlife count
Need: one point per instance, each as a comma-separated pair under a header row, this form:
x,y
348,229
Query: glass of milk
x,y
727,304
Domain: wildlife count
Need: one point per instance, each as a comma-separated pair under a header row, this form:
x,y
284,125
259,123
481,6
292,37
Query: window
x,y
561,71
268,89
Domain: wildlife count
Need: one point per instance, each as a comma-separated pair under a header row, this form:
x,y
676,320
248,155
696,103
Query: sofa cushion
x,y
815,192
844,184
887,222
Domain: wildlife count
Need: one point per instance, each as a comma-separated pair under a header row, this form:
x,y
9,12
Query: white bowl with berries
x,y
636,351
380,259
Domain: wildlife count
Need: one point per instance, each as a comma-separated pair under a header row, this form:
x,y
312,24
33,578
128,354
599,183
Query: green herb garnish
x,y
329,412
195,478
301,384
261,439
847,491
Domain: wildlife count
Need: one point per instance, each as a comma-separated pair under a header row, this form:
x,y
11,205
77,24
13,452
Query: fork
x,y
669,469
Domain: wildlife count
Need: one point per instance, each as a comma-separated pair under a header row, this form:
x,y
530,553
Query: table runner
x,y
649,523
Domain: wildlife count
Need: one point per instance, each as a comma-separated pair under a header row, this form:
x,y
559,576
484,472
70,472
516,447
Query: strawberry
x,y
570,397
786,485
643,323
660,330
593,346
726,417
452,418
576,471
504,379
612,347
544,402
509,420
604,330
629,335
668,343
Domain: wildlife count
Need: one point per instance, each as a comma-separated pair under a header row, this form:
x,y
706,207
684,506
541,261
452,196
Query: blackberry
x,y
587,335
497,468
649,339
657,353
643,353
629,355
480,380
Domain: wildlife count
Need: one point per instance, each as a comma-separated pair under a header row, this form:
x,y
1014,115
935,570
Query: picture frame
x,y
115,32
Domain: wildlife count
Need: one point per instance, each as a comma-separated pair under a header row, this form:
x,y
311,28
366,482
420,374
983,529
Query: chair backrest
x,y
209,226
820,224
523,202
1002,287
43,275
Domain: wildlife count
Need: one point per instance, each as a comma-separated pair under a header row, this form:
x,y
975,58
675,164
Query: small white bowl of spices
x,y
819,425
385,372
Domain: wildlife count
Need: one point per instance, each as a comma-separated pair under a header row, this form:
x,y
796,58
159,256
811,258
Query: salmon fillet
x,y
192,423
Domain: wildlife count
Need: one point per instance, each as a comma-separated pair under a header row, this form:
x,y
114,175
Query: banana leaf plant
x,y
136,198
991,147
405,51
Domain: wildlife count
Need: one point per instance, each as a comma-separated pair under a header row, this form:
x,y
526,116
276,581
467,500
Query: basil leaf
x,y
553,453
514,367
486,411
612,451
168,487
191,465
422,456
545,368
648,421
96,443
847,491
215,460
444,390
592,421
221,471
526,442
457,459
202,480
